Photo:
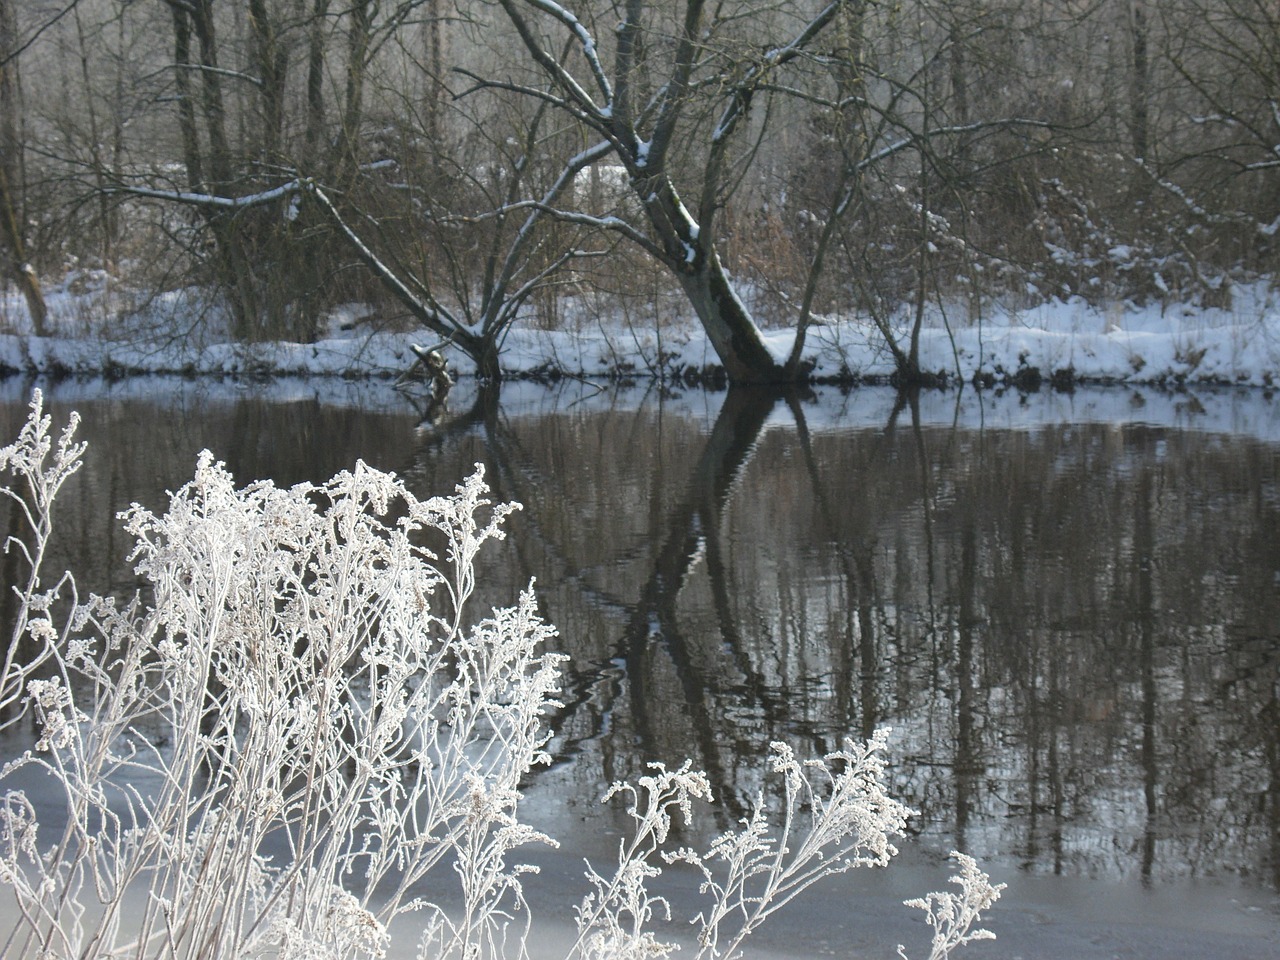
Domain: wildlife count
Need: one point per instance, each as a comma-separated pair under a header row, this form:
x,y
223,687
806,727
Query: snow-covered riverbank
x,y
1060,342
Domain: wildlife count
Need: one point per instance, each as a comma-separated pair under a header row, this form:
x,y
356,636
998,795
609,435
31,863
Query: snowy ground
x,y
1121,344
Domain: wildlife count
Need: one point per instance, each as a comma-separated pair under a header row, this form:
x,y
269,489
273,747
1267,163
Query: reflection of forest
x,y
1073,630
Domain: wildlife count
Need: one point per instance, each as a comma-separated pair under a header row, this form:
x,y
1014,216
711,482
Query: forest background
x,y
474,167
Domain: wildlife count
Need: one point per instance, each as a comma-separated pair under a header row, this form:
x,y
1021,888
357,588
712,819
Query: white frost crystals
x,y
952,916
267,751
242,759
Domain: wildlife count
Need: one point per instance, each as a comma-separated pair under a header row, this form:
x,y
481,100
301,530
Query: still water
x,y
1067,608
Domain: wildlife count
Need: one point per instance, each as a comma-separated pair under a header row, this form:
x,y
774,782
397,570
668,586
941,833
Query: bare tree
x,y
1223,154
678,96
17,266
454,242
775,162
905,145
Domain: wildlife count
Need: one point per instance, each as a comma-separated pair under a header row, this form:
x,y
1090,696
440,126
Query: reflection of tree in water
x,y
672,676
1043,616
1073,629
1102,622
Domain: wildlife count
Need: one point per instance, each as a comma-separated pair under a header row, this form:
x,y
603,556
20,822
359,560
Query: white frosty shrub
x,y
266,752
39,466
951,915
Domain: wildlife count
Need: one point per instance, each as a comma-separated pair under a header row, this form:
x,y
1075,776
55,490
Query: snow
x,y
1126,344
586,42
292,187
610,176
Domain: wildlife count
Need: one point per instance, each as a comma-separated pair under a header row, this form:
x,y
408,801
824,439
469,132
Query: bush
x,y
266,753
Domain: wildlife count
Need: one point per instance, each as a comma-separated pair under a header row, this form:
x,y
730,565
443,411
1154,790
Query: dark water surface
x,y
1067,609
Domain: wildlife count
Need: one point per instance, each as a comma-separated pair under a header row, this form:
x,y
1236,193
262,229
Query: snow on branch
x,y
568,175
542,277
222,72
1192,205
553,67
609,222
213,200
585,41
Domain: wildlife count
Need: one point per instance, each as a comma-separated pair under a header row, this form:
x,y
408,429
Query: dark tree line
x,y
471,164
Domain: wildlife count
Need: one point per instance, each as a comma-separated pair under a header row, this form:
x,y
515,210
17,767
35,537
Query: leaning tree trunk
x,y
689,251
729,326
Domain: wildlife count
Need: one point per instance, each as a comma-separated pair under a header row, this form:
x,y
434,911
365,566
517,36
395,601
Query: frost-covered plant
x,y
266,753
297,724
952,916
40,468
614,919
836,815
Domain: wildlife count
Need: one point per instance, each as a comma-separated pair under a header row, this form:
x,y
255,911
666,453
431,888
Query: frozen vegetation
x,y
300,735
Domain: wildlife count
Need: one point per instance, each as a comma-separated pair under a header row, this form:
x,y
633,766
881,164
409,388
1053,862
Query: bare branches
x,y
10,55
223,72
212,201
586,44
609,223
550,64
428,311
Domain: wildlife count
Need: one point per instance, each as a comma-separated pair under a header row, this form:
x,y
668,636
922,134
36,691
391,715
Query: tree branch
x,y
611,223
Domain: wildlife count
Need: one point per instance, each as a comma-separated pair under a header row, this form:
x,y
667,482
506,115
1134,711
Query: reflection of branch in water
x,y
1269,719
1144,553
438,428
694,525
515,477
688,533
588,688
926,505
967,763
772,705
431,368
857,567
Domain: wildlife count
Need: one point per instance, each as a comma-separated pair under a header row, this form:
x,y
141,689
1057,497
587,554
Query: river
x,y
1066,607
